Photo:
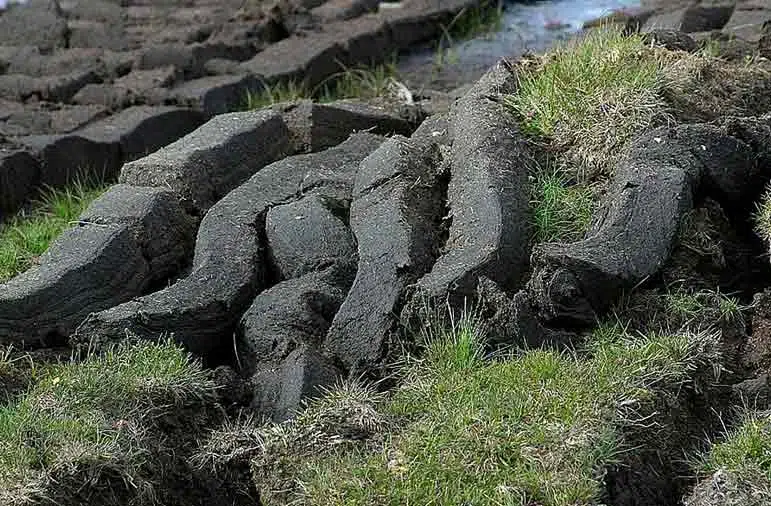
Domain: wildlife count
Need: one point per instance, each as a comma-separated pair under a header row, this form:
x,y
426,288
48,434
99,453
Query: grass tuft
x,y
695,308
681,309
276,94
746,450
337,421
737,470
27,235
586,99
762,217
448,342
591,96
357,83
710,49
703,88
562,206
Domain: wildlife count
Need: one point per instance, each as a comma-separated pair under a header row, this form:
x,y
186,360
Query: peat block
x,y
398,204
128,239
230,265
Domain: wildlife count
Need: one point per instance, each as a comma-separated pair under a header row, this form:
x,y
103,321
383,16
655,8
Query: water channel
x,y
524,26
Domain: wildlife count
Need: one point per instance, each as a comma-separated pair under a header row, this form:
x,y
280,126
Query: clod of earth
x,y
279,339
397,205
305,236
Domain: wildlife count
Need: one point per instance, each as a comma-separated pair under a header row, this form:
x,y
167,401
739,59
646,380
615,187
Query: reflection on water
x,y
530,26
4,3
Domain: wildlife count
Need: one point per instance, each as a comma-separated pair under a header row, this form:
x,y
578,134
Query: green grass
x,y
585,100
688,310
591,95
746,450
364,83
688,307
710,48
276,94
762,217
90,418
537,428
358,83
27,235
737,470
562,207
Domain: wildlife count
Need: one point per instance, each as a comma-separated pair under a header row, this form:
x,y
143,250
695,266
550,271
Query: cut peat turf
x,y
110,429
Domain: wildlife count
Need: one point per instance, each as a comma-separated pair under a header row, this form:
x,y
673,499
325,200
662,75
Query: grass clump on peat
x,y
762,217
539,427
27,235
92,422
701,87
703,307
745,450
582,102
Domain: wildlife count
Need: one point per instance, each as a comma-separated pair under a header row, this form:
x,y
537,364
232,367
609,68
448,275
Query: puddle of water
x,y
525,26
